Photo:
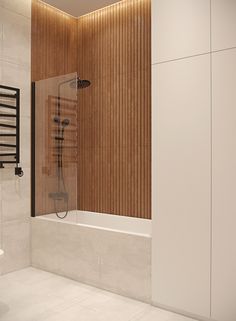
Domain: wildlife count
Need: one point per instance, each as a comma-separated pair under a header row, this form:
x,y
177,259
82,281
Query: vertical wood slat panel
x,y
111,47
54,42
115,144
54,53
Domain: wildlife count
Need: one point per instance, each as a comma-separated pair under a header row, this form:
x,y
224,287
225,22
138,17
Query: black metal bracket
x,y
19,172
33,214
10,127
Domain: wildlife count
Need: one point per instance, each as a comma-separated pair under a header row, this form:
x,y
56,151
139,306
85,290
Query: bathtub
x,y
114,223
107,251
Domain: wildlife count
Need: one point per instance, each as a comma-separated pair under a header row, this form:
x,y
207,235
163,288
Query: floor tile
x,y
155,314
35,295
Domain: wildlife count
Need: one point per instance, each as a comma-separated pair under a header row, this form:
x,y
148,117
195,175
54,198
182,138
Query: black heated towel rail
x,y
10,127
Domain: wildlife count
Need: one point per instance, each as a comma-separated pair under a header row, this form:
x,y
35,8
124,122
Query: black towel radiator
x,y
10,127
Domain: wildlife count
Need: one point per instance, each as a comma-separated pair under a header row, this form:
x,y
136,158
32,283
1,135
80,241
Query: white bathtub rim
x,y
114,219
91,226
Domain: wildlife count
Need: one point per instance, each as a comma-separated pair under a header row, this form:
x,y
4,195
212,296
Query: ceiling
x,y
78,8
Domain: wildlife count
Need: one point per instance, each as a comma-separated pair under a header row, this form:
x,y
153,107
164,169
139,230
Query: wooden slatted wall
x,y
54,42
112,48
114,120
54,53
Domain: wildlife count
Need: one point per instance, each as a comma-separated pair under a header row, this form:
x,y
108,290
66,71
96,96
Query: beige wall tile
x,y
18,76
15,49
16,245
126,264
115,261
15,71
22,7
65,249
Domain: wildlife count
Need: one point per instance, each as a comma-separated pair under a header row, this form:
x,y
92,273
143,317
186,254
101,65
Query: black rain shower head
x,y
80,83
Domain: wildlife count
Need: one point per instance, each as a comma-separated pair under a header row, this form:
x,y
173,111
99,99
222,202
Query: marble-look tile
x,y
15,38
15,195
15,49
16,245
1,45
22,7
75,313
34,295
70,252
110,260
25,148
126,281
63,287
18,76
28,276
1,257
155,314
16,209
102,307
30,307
115,307
37,299
14,187
126,260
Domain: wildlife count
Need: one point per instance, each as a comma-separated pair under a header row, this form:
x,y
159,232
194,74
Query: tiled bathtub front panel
x,y
115,261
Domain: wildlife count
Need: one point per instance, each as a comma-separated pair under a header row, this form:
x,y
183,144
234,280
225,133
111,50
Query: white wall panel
x,y
223,24
224,186
181,176
181,28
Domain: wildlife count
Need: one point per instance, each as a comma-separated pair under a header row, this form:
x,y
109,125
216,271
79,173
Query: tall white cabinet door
x,y
224,187
180,28
181,178
223,14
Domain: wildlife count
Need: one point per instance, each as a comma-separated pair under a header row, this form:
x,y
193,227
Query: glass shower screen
x,y
54,145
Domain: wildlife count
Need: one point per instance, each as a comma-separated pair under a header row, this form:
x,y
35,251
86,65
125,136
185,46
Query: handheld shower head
x,y
57,120
64,123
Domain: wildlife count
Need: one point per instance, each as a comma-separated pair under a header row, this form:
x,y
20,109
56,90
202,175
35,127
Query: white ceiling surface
x,y
79,8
